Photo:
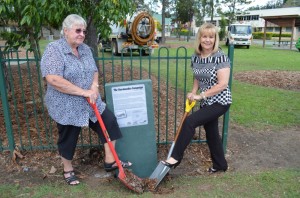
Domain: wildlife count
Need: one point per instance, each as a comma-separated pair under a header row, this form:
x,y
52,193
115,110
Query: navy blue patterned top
x,y
58,59
205,71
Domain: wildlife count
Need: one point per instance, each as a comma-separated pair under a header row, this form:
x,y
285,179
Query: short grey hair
x,y
70,20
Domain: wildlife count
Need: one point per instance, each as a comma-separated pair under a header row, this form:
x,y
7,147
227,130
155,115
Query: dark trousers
x,y
68,134
208,117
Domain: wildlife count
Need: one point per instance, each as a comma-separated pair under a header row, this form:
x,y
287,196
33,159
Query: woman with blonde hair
x,y
211,69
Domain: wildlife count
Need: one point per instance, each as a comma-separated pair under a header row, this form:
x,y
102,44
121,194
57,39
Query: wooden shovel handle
x,y
105,133
188,107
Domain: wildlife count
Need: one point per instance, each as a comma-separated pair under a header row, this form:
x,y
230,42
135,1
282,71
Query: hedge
x,y
269,35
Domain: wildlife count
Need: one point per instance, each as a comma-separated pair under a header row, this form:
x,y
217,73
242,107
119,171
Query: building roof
x,y
280,12
288,17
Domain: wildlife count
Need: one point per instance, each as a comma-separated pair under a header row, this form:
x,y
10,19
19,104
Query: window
x,y
288,29
239,18
254,17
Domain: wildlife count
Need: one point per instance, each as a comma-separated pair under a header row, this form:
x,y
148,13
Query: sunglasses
x,y
78,31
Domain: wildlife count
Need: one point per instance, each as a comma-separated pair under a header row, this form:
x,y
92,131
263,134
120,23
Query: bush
x,y
260,35
282,35
269,35
185,32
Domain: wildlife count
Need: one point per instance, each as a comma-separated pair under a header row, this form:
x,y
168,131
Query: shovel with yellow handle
x,y
162,169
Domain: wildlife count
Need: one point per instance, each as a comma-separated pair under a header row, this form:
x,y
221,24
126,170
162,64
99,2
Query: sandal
x,y
113,166
71,178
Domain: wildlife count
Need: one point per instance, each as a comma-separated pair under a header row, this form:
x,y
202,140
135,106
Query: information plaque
x,y
132,104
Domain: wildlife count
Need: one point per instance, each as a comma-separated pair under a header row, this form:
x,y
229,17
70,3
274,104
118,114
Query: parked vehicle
x,y
239,34
137,33
298,44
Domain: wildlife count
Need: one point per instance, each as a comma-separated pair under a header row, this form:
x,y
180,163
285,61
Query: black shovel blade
x,y
159,173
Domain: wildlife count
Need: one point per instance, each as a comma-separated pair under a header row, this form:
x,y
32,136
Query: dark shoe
x,y
113,166
212,170
171,165
71,178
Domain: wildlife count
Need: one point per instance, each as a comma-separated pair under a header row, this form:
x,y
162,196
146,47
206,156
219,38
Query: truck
x,y
239,34
136,33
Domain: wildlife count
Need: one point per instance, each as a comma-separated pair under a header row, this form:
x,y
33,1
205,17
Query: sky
x,y
254,3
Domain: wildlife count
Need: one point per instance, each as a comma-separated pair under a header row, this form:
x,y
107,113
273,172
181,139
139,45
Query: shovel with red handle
x,y
131,181
162,169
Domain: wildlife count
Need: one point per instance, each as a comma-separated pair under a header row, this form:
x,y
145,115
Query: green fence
x,y
24,119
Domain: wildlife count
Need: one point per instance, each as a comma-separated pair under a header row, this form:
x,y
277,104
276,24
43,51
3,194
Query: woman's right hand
x,y
190,96
91,94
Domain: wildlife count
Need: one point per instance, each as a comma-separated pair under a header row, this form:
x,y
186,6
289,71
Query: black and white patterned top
x,y
205,71
58,59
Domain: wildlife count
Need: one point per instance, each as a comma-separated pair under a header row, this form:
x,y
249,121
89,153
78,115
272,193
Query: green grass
x,y
274,183
43,44
259,107
259,58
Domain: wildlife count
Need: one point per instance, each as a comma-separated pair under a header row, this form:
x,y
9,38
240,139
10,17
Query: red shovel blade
x,y
130,180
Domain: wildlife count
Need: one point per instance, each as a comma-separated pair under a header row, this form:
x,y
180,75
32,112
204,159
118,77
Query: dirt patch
x,y
289,80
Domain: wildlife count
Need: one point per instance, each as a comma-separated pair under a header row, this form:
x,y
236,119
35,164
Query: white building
x,y
257,19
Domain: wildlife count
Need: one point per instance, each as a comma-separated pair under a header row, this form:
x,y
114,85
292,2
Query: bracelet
x,y
202,94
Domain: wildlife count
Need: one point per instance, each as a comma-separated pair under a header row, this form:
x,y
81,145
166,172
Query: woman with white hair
x,y
72,76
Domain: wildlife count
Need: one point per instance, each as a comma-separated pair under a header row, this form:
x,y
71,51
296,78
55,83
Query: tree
x,y
291,3
31,15
234,7
165,11
28,18
185,10
201,10
213,4
222,31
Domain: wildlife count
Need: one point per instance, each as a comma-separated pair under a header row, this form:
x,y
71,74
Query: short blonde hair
x,y
204,28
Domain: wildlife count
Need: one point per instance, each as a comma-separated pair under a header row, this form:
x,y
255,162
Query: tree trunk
x,y
91,37
163,23
212,10
34,44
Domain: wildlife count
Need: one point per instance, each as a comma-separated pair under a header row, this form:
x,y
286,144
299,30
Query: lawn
x,y
274,183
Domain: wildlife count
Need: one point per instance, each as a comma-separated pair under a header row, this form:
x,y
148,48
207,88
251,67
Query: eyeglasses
x,y
78,31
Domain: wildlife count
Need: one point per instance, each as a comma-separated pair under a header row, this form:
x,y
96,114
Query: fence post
x,y
226,115
5,107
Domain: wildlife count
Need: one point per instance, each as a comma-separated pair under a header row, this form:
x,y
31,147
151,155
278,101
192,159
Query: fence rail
x,y
26,123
